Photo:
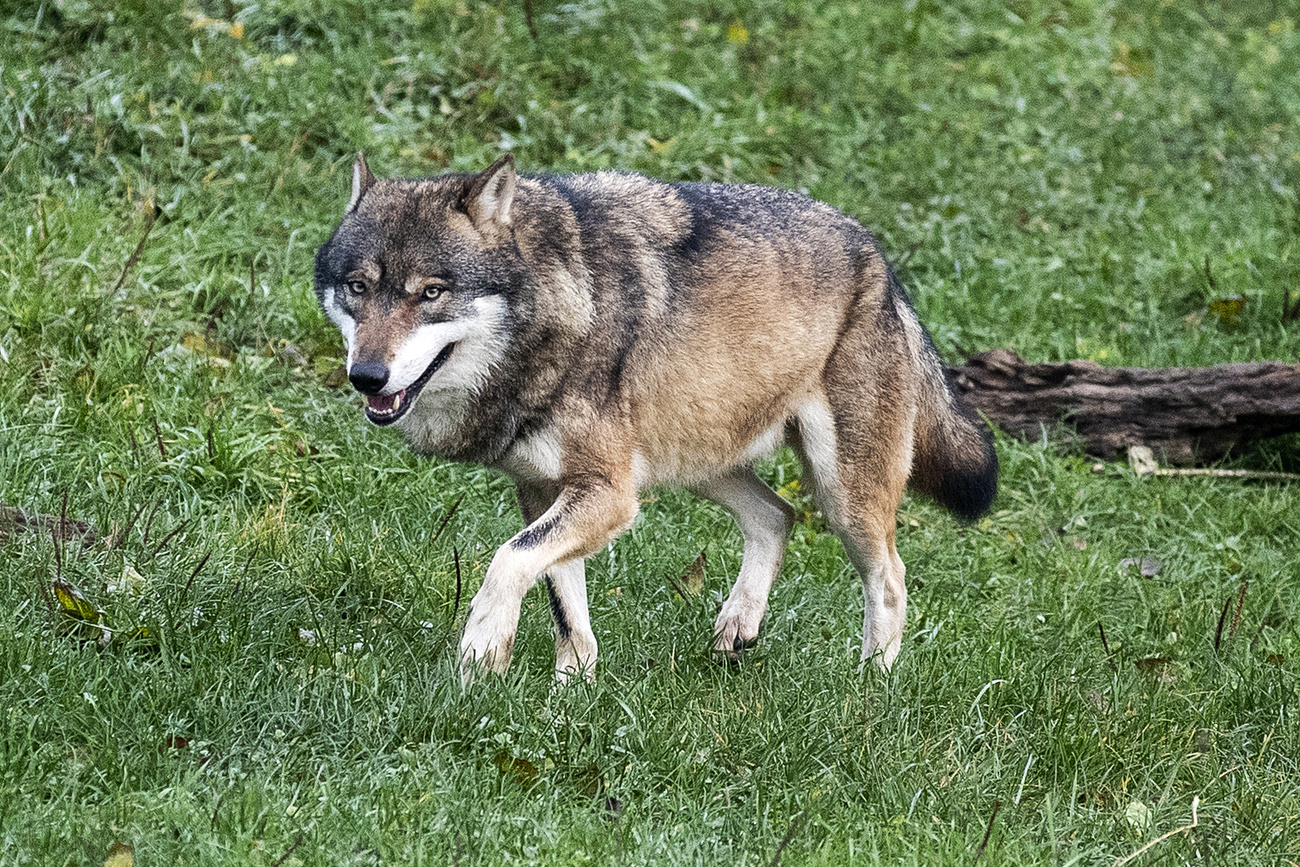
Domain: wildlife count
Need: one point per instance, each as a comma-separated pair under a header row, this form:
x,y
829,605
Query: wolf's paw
x,y
735,629
575,659
485,646
882,656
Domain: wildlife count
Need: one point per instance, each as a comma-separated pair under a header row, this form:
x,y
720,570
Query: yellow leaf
x,y
737,33
693,580
74,603
201,344
89,620
236,30
522,771
1228,308
120,855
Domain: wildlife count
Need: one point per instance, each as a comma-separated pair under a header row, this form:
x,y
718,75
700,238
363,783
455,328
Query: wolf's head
x,y
420,277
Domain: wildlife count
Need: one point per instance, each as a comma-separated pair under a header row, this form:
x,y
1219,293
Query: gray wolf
x,y
595,334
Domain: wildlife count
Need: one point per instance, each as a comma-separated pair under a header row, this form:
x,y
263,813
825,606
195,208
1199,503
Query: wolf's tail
x,y
953,461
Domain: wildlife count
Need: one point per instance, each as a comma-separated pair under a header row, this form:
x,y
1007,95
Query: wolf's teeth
x,y
397,401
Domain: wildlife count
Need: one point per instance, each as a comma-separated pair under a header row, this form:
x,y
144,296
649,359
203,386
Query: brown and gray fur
x,y
592,335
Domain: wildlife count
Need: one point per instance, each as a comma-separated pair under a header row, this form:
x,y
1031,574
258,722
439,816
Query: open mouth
x,y
384,409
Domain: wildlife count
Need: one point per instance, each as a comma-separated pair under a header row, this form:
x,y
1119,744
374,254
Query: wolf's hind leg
x,y
765,521
575,643
884,595
859,482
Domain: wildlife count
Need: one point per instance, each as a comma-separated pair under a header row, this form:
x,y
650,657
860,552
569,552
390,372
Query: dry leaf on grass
x,y
120,855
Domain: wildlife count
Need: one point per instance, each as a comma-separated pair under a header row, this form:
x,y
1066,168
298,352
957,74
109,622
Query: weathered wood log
x,y
13,521
1185,414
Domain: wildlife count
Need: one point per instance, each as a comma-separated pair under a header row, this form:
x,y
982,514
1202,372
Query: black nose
x,y
368,377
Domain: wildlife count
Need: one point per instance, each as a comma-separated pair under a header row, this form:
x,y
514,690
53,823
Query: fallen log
x,y
1184,414
63,529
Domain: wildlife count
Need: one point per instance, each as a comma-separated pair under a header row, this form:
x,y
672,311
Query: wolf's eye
x,y
433,289
356,287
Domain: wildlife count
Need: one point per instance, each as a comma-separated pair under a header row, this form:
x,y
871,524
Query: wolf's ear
x,y
490,195
362,180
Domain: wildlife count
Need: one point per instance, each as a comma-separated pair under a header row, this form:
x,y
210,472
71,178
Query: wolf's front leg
x,y
489,638
566,585
575,643
585,517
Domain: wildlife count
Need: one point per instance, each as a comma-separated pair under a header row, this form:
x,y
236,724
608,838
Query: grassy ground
x,y
1098,663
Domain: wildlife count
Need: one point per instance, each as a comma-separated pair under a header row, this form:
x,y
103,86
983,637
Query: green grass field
x,y
1100,662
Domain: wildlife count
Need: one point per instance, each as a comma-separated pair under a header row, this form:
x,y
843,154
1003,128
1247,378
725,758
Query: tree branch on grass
x,y
1184,414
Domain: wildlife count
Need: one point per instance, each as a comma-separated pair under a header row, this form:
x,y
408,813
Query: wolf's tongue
x,y
385,403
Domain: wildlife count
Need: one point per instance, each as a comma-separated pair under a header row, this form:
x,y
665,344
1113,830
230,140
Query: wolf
x,y
596,334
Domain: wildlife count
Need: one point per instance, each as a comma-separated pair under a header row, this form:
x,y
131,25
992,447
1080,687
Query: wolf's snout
x,y
368,377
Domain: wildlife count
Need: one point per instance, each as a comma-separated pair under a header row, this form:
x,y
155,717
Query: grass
x,y
1078,179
